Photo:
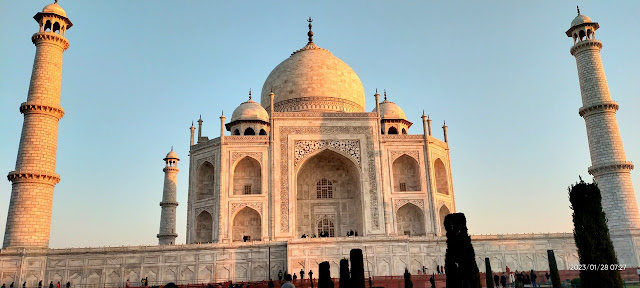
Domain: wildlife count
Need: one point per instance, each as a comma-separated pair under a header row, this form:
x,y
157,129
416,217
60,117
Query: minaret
x,y
29,218
609,165
167,235
192,129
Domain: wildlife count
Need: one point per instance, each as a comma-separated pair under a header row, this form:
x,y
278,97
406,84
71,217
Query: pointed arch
x,y
345,207
404,131
236,132
410,220
205,187
406,174
442,182
443,212
326,225
392,130
262,132
247,222
204,228
56,27
247,177
249,131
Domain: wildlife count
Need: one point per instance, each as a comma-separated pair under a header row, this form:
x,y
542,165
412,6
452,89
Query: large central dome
x,y
312,79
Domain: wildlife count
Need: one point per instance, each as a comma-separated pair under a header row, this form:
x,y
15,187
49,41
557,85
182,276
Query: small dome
x,y
55,9
171,155
250,110
580,19
390,110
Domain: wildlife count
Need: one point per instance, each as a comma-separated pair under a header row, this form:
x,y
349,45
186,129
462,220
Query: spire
x,y
55,1
385,94
249,93
310,33
578,7
171,147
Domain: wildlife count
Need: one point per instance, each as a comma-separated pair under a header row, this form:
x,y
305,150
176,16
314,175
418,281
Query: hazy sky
x,y
138,72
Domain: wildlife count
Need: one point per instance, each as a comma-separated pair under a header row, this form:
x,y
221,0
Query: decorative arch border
x,y
237,207
303,149
328,130
397,204
237,156
411,153
308,156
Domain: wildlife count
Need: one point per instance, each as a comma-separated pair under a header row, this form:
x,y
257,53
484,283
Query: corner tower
x,y
167,235
609,165
29,218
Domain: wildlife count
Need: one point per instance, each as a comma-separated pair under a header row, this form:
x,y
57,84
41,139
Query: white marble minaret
x,y
167,235
609,165
33,180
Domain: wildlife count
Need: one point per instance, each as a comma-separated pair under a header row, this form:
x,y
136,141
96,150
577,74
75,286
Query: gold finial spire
x,y
385,94
55,1
249,93
578,7
310,33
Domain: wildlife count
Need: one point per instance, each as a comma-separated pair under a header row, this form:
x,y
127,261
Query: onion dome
x,y
55,9
171,155
580,19
390,110
251,111
312,79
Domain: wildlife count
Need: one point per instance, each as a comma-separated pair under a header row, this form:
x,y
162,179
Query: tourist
x,y
287,283
271,284
356,234
351,232
4,285
40,284
295,277
350,235
280,275
534,277
51,284
11,285
69,283
496,280
57,285
146,281
503,280
432,280
24,285
438,269
311,277
301,275
126,285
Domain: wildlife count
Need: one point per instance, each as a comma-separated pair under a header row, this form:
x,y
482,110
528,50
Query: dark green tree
x,y
324,275
344,274
357,268
488,273
460,265
553,267
592,238
407,279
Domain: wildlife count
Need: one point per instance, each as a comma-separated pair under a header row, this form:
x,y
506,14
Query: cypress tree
x,y
324,276
357,268
460,264
488,273
592,237
407,279
344,274
553,267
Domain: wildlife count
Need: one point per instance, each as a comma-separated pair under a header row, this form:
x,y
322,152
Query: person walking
x,y
280,275
301,275
533,279
287,282
69,284
11,285
311,277
51,284
496,280
4,285
295,277
24,285
432,280
40,284
271,284
438,268
58,284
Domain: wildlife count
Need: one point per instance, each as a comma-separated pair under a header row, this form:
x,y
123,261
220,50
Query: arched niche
x,y
204,228
410,220
406,174
247,177
444,211
205,187
344,206
442,182
247,223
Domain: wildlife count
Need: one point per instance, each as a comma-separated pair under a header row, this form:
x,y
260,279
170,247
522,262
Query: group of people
x,y
322,234
351,233
440,269
290,280
499,281
24,285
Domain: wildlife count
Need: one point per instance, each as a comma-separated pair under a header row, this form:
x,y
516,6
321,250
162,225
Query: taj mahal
x,y
304,157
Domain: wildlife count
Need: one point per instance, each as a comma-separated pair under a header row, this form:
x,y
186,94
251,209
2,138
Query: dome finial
x,y
310,33
55,1
171,145
578,7
249,93
385,94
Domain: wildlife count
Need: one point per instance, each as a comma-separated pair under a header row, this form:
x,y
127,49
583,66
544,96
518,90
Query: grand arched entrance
x,y
329,197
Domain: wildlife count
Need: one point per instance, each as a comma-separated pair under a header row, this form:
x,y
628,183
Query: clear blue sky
x,y
138,72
